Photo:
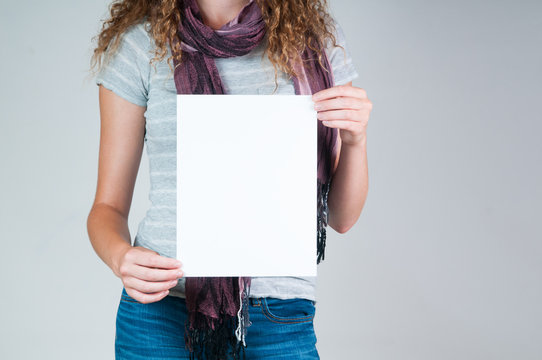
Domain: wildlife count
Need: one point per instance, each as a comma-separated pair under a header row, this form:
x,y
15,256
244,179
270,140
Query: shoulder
x,y
126,69
337,31
136,40
340,56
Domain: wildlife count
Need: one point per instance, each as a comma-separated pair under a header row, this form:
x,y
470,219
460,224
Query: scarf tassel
x,y
211,338
323,217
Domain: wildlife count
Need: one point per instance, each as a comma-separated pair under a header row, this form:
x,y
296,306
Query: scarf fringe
x,y
323,217
223,337
242,316
212,343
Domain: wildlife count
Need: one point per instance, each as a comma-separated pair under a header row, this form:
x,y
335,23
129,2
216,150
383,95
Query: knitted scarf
x,y
218,306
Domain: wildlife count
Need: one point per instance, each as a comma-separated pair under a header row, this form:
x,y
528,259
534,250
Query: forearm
x,y
109,234
349,187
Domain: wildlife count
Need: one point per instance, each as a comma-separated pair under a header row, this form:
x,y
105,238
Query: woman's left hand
x,y
347,108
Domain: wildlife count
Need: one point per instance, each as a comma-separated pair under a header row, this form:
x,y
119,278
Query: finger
x,y
339,90
152,259
146,298
338,115
339,103
148,287
151,274
341,124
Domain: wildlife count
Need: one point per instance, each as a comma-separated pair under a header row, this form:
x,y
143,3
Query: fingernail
x,y
174,282
179,273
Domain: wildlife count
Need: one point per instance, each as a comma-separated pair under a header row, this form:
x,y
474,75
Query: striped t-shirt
x,y
131,76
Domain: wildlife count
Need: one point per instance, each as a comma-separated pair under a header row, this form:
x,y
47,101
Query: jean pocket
x,y
288,311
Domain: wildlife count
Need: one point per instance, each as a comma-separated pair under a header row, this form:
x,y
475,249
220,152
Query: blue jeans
x,y
281,329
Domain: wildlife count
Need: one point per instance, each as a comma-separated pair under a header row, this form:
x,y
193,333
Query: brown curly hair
x,y
290,26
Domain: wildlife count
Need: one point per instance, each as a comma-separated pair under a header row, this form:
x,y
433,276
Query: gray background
x,y
444,262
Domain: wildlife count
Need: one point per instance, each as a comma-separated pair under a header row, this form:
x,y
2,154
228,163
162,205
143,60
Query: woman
x,y
137,95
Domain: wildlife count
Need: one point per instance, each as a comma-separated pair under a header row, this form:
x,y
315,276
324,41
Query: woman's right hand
x,y
146,275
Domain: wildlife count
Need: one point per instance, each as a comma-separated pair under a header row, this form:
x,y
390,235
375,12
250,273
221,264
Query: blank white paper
x,y
246,185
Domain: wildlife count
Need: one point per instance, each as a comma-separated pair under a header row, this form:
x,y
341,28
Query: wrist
x,y
359,142
117,256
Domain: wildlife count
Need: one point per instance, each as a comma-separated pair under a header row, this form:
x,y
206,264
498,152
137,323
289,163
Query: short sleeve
x,y
127,71
341,62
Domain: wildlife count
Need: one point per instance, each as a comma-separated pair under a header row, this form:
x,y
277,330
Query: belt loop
x,y
254,301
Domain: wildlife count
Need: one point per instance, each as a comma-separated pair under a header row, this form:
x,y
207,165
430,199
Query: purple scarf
x,y
218,306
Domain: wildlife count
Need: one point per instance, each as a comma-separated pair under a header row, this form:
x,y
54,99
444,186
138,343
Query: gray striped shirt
x,y
129,75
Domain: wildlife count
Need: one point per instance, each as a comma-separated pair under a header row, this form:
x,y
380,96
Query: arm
x,y
346,108
121,146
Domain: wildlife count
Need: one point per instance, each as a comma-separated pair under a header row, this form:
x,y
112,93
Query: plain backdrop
x,y
445,260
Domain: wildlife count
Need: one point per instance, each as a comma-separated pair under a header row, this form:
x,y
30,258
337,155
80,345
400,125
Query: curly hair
x,y
291,25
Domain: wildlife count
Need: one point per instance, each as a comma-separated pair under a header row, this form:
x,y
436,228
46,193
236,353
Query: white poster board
x,y
246,185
